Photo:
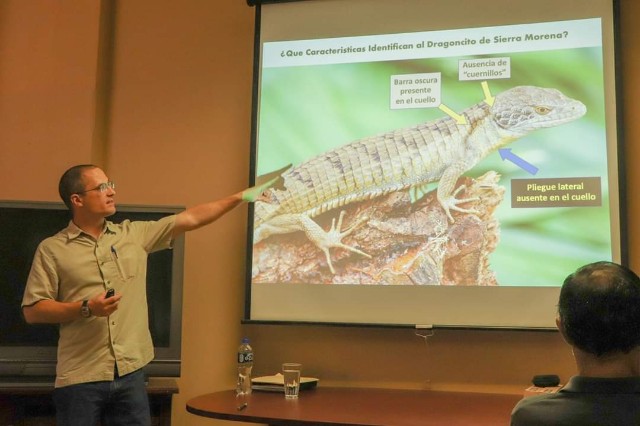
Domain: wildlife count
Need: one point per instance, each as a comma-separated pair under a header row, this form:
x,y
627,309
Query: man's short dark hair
x,y
599,308
71,182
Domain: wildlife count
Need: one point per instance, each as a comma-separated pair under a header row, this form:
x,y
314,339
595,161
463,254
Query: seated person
x,y
599,316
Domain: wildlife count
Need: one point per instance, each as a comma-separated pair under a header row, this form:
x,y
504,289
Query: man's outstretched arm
x,y
204,214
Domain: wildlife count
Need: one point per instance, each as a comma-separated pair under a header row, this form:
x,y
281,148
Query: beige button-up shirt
x,y
72,266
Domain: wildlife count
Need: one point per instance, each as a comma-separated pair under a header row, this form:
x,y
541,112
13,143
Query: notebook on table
x,y
275,383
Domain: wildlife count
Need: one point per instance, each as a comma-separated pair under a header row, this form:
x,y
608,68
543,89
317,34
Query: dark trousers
x,y
122,402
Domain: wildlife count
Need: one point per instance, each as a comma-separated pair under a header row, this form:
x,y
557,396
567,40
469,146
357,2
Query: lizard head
x,y
526,108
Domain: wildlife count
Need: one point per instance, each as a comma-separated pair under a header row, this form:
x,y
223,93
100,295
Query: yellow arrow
x,y
487,93
459,118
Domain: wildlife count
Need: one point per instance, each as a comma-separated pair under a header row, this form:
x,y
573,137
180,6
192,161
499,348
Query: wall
x,y
165,108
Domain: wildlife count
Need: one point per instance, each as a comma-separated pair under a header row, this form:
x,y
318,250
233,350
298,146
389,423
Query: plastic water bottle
x,y
245,364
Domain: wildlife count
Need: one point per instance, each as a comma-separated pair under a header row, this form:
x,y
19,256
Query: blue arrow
x,y
506,154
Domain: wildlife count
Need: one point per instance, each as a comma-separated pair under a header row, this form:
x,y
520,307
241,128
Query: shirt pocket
x,y
126,264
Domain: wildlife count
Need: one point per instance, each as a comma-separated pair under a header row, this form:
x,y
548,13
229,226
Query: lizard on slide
x,y
440,151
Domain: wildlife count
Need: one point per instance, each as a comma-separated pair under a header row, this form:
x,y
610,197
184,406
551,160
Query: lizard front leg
x,y
446,193
322,239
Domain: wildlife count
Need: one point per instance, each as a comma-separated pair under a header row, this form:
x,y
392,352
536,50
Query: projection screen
x,y
452,162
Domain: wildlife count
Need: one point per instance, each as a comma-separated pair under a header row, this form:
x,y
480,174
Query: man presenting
x,y
104,338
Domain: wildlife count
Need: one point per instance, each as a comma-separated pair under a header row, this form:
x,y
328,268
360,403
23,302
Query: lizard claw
x,y
323,240
333,238
451,203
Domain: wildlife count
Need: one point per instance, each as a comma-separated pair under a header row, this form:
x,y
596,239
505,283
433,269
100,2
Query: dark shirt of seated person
x,y
599,316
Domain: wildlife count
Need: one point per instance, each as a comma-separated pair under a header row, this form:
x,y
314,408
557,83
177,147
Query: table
x,y
358,406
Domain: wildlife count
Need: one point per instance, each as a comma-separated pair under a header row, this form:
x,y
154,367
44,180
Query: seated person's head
x,y
599,309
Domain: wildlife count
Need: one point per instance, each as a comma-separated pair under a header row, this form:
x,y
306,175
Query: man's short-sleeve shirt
x,y
72,266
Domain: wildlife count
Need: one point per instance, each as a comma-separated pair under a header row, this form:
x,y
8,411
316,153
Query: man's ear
x,y
560,326
76,200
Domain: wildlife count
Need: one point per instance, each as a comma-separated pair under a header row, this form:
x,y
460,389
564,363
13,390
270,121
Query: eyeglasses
x,y
102,187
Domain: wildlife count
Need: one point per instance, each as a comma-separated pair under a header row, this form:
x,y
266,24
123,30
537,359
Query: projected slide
x,y
474,157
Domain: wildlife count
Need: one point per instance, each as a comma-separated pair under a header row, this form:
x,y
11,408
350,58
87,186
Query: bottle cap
x,y
245,340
